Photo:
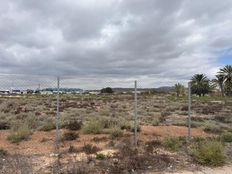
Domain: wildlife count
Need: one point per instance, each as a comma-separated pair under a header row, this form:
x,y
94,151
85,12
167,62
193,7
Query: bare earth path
x,y
219,170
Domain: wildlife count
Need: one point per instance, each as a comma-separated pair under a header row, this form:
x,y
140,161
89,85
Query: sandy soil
x,y
219,170
34,146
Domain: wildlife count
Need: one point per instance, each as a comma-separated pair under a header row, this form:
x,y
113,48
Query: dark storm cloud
x,y
151,40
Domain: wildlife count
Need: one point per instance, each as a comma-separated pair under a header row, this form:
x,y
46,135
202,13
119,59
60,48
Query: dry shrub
x,y
73,125
73,149
94,126
129,160
3,152
76,168
150,145
4,125
210,128
70,136
115,132
19,134
90,149
48,126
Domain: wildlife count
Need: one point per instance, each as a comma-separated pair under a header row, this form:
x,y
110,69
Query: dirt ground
x,y
219,170
159,117
43,156
35,146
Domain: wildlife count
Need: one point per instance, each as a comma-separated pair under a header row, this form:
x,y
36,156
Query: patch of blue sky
x,y
226,58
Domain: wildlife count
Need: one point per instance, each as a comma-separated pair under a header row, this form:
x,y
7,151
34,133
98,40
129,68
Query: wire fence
x,y
55,98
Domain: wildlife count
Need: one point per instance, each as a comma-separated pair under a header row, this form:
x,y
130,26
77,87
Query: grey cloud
x,y
144,39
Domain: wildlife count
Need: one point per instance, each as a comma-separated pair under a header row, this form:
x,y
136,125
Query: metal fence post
x,y
58,115
189,110
135,115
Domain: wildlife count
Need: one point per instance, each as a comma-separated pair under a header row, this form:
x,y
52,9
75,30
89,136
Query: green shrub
x,y
115,132
48,126
100,156
70,136
209,153
173,143
19,134
227,137
94,126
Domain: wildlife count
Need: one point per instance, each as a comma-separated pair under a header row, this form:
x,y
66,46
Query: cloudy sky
x,y
158,42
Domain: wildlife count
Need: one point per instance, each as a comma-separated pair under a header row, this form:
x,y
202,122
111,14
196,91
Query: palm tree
x,y
219,81
179,89
226,72
200,85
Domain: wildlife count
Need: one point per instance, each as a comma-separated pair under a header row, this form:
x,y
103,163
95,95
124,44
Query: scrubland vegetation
x,y
97,131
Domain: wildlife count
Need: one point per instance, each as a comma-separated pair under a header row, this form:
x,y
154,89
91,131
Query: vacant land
x,y
97,134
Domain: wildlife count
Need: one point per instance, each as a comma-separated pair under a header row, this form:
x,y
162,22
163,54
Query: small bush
x,y
3,152
93,127
227,137
4,125
108,122
100,156
115,132
19,134
70,136
173,143
209,153
90,149
73,149
73,125
48,126
138,129
125,125
150,145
